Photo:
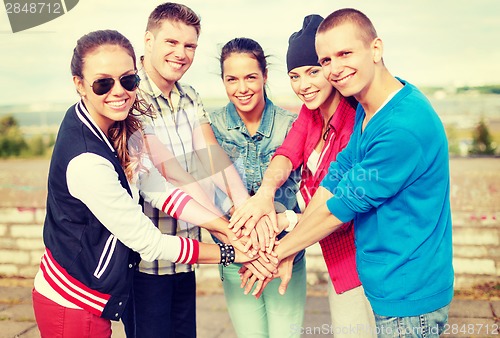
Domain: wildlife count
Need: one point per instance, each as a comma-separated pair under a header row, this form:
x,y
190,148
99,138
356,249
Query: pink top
x,y
338,248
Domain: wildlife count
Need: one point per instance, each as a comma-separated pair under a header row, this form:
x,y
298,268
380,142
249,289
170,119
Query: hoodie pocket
x,y
372,271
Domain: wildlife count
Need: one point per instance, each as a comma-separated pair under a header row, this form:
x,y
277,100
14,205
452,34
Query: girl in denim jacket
x,y
250,128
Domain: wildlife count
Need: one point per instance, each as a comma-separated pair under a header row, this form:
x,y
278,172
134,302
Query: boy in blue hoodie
x,y
392,179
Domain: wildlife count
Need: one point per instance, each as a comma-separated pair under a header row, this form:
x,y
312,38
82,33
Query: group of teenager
x,y
139,166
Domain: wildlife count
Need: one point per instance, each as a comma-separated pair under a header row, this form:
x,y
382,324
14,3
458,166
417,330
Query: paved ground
x,y
468,318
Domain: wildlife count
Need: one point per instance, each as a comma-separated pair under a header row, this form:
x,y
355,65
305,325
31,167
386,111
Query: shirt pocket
x,y
236,154
265,158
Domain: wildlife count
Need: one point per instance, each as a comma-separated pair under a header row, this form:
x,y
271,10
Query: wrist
x,y
227,254
265,193
292,218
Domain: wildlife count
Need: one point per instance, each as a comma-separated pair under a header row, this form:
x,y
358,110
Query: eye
x,y
294,77
344,54
191,47
324,62
314,72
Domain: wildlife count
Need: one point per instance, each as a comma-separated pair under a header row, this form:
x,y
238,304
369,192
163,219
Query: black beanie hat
x,y
301,50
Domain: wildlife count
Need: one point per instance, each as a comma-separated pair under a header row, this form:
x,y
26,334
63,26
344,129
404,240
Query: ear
x,y
80,88
378,49
149,39
265,76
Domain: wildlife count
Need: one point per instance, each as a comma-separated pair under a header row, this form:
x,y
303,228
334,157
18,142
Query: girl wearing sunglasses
x,y
94,230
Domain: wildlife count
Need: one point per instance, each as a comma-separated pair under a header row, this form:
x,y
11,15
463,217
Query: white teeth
x,y
174,65
344,79
309,95
117,103
243,98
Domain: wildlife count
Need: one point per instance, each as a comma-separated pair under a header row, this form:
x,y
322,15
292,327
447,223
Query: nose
x,y
242,87
304,84
117,88
179,52
335,68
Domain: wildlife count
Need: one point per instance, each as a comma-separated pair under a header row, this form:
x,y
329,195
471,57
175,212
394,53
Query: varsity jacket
x,y
84,261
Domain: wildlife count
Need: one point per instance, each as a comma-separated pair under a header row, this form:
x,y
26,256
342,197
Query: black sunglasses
x,y
102,86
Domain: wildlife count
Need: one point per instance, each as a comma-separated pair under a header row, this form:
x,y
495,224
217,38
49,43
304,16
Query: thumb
x,y
283,286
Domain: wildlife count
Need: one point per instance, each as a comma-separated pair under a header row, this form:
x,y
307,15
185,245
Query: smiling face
x,y
348,61
106,61
311,86
170,52
244,83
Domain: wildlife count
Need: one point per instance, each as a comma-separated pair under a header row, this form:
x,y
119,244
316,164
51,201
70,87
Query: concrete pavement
x,y
468,318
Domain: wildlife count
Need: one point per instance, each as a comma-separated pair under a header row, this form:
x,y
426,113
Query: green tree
x,y
453,141
12,142
482,140
37,146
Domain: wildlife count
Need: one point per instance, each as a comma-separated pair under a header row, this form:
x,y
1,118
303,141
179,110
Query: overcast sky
x,y
427,42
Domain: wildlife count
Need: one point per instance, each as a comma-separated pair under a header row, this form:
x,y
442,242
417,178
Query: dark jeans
x,y
162,306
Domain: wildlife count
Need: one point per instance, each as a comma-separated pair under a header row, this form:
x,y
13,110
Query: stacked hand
x,y
250,279
257,219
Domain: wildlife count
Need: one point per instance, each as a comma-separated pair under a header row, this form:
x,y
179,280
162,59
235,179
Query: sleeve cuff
x,y
340,210
293,159
329,184
189,251
175,203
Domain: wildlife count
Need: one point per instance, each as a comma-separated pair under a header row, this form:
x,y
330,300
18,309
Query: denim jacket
x,y
251,155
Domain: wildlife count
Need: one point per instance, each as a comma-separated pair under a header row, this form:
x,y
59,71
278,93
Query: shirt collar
x,y
266,123
338,117
85,117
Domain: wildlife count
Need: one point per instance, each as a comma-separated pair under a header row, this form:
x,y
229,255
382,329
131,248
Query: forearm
x,y
223,173
276,174
198,193
229,181
197,214
209,254
316,223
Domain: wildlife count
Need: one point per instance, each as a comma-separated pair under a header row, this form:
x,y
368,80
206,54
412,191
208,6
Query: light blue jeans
x,y
427,325
272,315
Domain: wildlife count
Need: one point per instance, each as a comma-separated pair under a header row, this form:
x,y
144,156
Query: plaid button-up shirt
x,y
174,125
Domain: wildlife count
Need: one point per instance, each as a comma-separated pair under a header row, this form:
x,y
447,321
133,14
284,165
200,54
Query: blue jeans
x,y
427,325
162,306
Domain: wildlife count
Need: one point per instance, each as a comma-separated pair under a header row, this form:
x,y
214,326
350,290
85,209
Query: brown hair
x,y
174,12
244,46
350,15
125,135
